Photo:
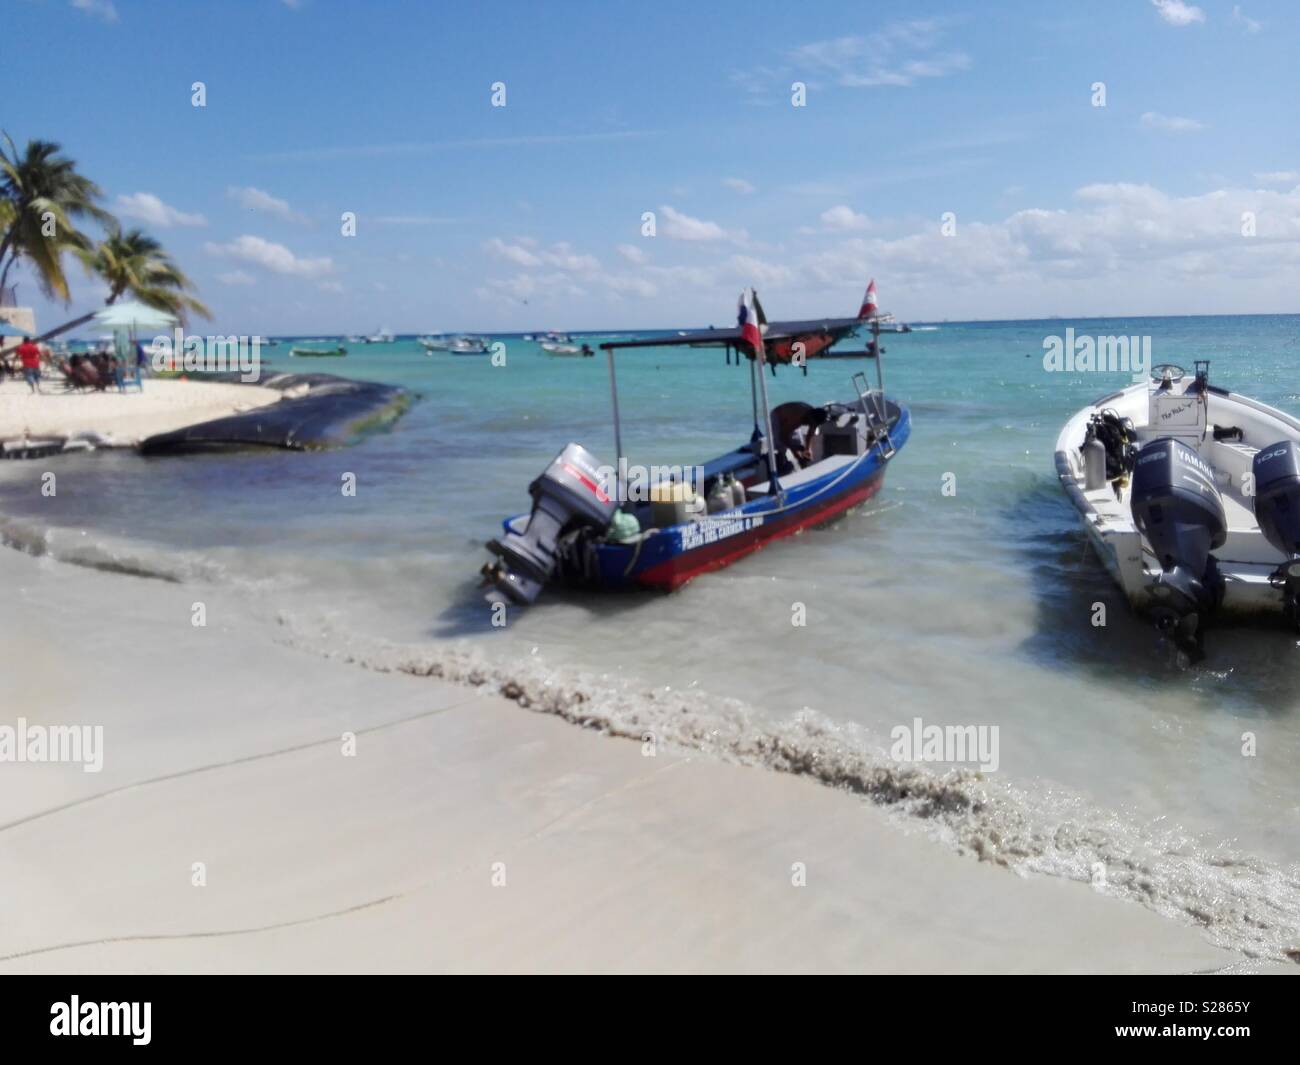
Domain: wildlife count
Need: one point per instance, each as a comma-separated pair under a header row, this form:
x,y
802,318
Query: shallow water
x,y
973,608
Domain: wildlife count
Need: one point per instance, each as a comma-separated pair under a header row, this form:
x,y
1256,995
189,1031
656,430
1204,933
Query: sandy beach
x,y
122,419
464,833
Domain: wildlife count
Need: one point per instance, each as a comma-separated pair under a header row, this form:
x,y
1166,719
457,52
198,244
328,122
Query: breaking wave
x,y
1241,902
131,558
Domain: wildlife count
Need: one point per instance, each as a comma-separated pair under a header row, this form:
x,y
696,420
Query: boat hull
x,y
671,557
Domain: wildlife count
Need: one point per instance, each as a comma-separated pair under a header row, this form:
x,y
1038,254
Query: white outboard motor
x,y
1277,510
567,496
1177,508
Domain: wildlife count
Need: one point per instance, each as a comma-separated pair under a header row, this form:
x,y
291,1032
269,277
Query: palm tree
x,y
42,197
133,262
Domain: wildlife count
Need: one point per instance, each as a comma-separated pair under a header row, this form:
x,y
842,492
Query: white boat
x,y
384,336
566,349
468,345
1190,495
433,343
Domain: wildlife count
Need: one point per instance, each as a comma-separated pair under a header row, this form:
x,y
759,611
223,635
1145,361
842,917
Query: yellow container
x,y
672,504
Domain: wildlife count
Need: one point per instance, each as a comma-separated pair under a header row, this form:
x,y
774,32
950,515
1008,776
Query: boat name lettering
x,y
708,532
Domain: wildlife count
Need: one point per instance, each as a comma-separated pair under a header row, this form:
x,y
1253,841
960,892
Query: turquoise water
x,y
971,608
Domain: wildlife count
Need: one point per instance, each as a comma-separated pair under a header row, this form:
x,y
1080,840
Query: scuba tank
x,y
720,497
1118,440
1094,464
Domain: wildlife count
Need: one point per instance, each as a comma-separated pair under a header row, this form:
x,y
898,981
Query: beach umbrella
x,y
7,330
134,316
129,320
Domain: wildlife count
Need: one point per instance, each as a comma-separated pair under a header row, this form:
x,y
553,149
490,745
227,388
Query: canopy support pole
x,y
773,485
618,429
753,396
880,356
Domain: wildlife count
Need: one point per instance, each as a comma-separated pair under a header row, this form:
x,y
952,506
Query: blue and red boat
x,y
619,526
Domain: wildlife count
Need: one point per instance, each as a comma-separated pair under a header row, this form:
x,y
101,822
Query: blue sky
x,y
525,216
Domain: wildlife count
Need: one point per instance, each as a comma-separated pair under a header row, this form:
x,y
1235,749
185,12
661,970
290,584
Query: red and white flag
x,y
869,308
751,320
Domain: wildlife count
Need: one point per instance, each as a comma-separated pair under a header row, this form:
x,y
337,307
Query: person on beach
x,y
141,363
29,356
117,371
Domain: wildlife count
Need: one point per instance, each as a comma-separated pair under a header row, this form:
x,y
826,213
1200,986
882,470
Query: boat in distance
x,y
557,349
318,353
469,345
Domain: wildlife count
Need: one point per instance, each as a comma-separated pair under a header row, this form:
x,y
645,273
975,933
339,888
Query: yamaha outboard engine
x,y
567,496
1277,510
1176,506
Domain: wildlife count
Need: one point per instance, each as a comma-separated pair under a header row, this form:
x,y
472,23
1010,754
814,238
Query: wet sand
x,y
464,833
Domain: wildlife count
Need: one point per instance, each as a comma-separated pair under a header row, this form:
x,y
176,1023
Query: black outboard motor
x,y
1177,508
568,495
1277,510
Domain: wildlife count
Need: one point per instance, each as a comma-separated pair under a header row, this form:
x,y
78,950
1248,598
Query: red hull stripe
x,y
675,572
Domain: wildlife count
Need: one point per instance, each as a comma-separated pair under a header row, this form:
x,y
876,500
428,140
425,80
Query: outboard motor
x,y
567,496
1178,509
1277,510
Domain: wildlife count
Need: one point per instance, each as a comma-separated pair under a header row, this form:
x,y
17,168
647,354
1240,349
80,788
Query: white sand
x,y
223,747
123,419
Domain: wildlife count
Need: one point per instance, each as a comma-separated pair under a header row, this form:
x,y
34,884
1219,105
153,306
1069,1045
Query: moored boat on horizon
x,y
468,345
318,353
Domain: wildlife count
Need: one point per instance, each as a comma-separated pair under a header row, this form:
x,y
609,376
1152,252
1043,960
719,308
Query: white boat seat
x,y
809,473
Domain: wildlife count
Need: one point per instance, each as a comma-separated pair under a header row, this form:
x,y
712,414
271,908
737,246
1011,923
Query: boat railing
x,y
875,409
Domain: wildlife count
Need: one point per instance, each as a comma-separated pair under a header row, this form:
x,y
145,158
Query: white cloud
x,y
1248,24
679,226
560,272
148,208
514,253
559,256
1278,177
415,220
844,219
1178,13
252,199
274,257
236,277
1170,123
739,185
899,54
100,9
757,272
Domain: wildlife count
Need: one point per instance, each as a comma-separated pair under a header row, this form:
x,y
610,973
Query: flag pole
x,y
618,428
760,359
